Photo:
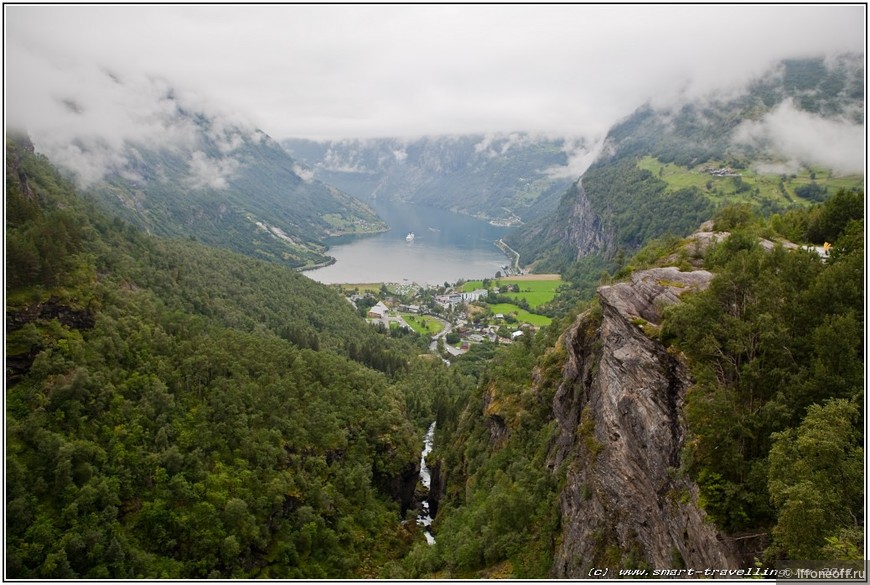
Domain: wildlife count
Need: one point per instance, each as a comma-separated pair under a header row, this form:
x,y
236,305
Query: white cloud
x,y
807,138
581,154
305,173
357,71
207,172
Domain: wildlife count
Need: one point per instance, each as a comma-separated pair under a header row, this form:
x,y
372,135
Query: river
x,y
447,246
424,519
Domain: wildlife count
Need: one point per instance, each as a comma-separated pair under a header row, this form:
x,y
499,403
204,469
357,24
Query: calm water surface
x,y
446,247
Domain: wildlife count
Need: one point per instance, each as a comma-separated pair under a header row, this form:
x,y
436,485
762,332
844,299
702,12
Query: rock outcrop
x,y
583,230
572,232
618,408
20,357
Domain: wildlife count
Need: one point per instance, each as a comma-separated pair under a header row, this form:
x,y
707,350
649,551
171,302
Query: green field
x,y
536,292
728,190
522,315
424,325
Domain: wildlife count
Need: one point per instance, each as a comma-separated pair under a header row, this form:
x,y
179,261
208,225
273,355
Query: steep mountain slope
x,y
690,417
620,427
582,455
225,185
666,169
180,411
506,177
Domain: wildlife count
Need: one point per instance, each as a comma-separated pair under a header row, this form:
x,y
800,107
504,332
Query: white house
x,y
379,311
448,300
474,295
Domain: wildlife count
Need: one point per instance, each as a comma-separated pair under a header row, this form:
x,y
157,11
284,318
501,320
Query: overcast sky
x,y
332,71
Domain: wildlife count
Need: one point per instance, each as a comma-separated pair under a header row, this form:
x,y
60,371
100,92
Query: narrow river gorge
x,y
424,519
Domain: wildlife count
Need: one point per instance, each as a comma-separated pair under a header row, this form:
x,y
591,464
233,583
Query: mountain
x,y
667,169
509,178
180,411
689,417
227,185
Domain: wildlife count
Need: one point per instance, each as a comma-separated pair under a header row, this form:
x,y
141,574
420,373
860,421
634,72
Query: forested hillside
x,y
225,184
766,428
776,431
179,411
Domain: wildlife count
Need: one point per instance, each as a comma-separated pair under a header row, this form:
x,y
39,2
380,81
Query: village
x,y
457,316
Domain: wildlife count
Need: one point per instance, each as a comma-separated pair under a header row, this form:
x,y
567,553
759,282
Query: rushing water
x,y
424,519
446,246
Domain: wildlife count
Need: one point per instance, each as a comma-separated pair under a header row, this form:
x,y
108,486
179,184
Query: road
x,y
448,327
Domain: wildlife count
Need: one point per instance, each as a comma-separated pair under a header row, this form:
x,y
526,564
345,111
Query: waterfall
x,y
424,519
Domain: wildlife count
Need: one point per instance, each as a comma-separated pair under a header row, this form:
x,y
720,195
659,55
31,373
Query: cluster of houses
x,y
468,331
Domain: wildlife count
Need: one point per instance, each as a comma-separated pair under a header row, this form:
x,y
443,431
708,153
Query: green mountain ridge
x,y
180,411
655,173
231,187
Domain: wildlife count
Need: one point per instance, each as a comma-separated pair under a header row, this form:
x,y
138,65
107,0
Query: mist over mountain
x,y
177,167
508,177
778,142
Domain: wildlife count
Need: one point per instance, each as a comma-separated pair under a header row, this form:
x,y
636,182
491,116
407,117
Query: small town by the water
x,y
456,316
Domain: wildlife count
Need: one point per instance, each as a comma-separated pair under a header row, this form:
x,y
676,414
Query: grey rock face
x,y
583,230
619,412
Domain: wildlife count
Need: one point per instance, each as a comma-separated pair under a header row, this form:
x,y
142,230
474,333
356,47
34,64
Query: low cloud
x,y
91,120
305,173
581,154
211,173
498,144
358,71
797,135
335,160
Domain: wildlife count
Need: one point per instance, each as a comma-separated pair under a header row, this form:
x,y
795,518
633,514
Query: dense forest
x,y
776,347
179,411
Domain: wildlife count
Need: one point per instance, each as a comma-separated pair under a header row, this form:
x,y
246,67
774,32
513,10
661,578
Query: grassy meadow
x,y
772,186
522,315
537,289
423,324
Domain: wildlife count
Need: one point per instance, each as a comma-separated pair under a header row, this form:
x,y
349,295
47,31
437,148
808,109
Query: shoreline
x,y
329,262
508,251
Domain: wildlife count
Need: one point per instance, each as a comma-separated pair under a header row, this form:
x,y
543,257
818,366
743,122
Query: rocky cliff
x,y
572,232
618,408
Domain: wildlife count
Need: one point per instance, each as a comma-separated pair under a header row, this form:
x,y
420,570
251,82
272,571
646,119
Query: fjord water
x,y
447,246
